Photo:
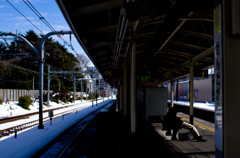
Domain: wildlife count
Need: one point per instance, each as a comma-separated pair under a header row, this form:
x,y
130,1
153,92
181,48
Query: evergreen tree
x,y
59,57
31,36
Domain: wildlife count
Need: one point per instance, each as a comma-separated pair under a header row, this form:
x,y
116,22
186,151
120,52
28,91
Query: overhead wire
x,y
14,80
24,16
43,19
8,64
47,23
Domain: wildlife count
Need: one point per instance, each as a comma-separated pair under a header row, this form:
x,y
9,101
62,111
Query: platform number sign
x,y
143,78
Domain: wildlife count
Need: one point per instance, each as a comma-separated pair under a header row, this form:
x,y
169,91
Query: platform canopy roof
x,y
169,34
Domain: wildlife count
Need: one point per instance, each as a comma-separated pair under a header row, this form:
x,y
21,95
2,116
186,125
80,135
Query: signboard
x,y
144,78
218,76
50,113
201,73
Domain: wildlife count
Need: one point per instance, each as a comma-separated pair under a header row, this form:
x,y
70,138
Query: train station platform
x,y
109,136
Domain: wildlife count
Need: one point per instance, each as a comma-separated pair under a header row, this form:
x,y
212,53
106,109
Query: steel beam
x,y
168,39
196,58
100,44
97,7
22,38
186,45
196,34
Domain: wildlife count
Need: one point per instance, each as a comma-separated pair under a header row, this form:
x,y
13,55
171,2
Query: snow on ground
x,y
30,140
12,109
199,105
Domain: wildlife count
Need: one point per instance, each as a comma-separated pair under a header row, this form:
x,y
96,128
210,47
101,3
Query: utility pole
x,y
49,76
41,64
74,89
59,85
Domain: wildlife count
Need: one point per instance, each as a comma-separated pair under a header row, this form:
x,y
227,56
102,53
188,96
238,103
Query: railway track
x,y
24,116
63,144
31,123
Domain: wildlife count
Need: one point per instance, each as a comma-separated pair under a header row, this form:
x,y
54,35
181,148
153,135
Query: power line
x,y
13,80
41,17
47,23
8,64
24,17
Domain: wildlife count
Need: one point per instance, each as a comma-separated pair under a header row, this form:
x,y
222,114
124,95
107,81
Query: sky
x,y
12,21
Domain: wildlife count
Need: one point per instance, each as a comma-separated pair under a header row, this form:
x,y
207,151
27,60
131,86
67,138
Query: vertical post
x,y
191,93
33,89
112,92
96,91
86,90
177,91
59,85
121,98
125,89
81,90
171,93
92,92
41,64
133,89
48,93
74,87
99,89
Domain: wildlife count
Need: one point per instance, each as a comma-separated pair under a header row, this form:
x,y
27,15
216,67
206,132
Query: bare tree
x,y
84,60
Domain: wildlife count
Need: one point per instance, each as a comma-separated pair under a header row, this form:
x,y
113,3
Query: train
x,y
203,90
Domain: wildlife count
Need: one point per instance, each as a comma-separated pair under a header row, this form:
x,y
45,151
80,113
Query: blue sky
x,y
11,20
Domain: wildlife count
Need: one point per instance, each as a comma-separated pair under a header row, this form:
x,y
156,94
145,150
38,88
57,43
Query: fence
x,y
14,94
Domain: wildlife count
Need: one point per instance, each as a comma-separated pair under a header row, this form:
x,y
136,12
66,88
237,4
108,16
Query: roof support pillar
x,y
191,93
172,93
227,76
121,97
177,91
133,111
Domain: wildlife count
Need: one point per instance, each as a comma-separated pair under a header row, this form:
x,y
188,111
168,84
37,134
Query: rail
x,y
32,123
58,146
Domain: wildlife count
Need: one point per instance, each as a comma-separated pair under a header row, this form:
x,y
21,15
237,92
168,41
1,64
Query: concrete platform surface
x,y
109,136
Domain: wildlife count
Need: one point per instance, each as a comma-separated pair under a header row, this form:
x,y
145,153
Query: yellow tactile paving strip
x,y
198,124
